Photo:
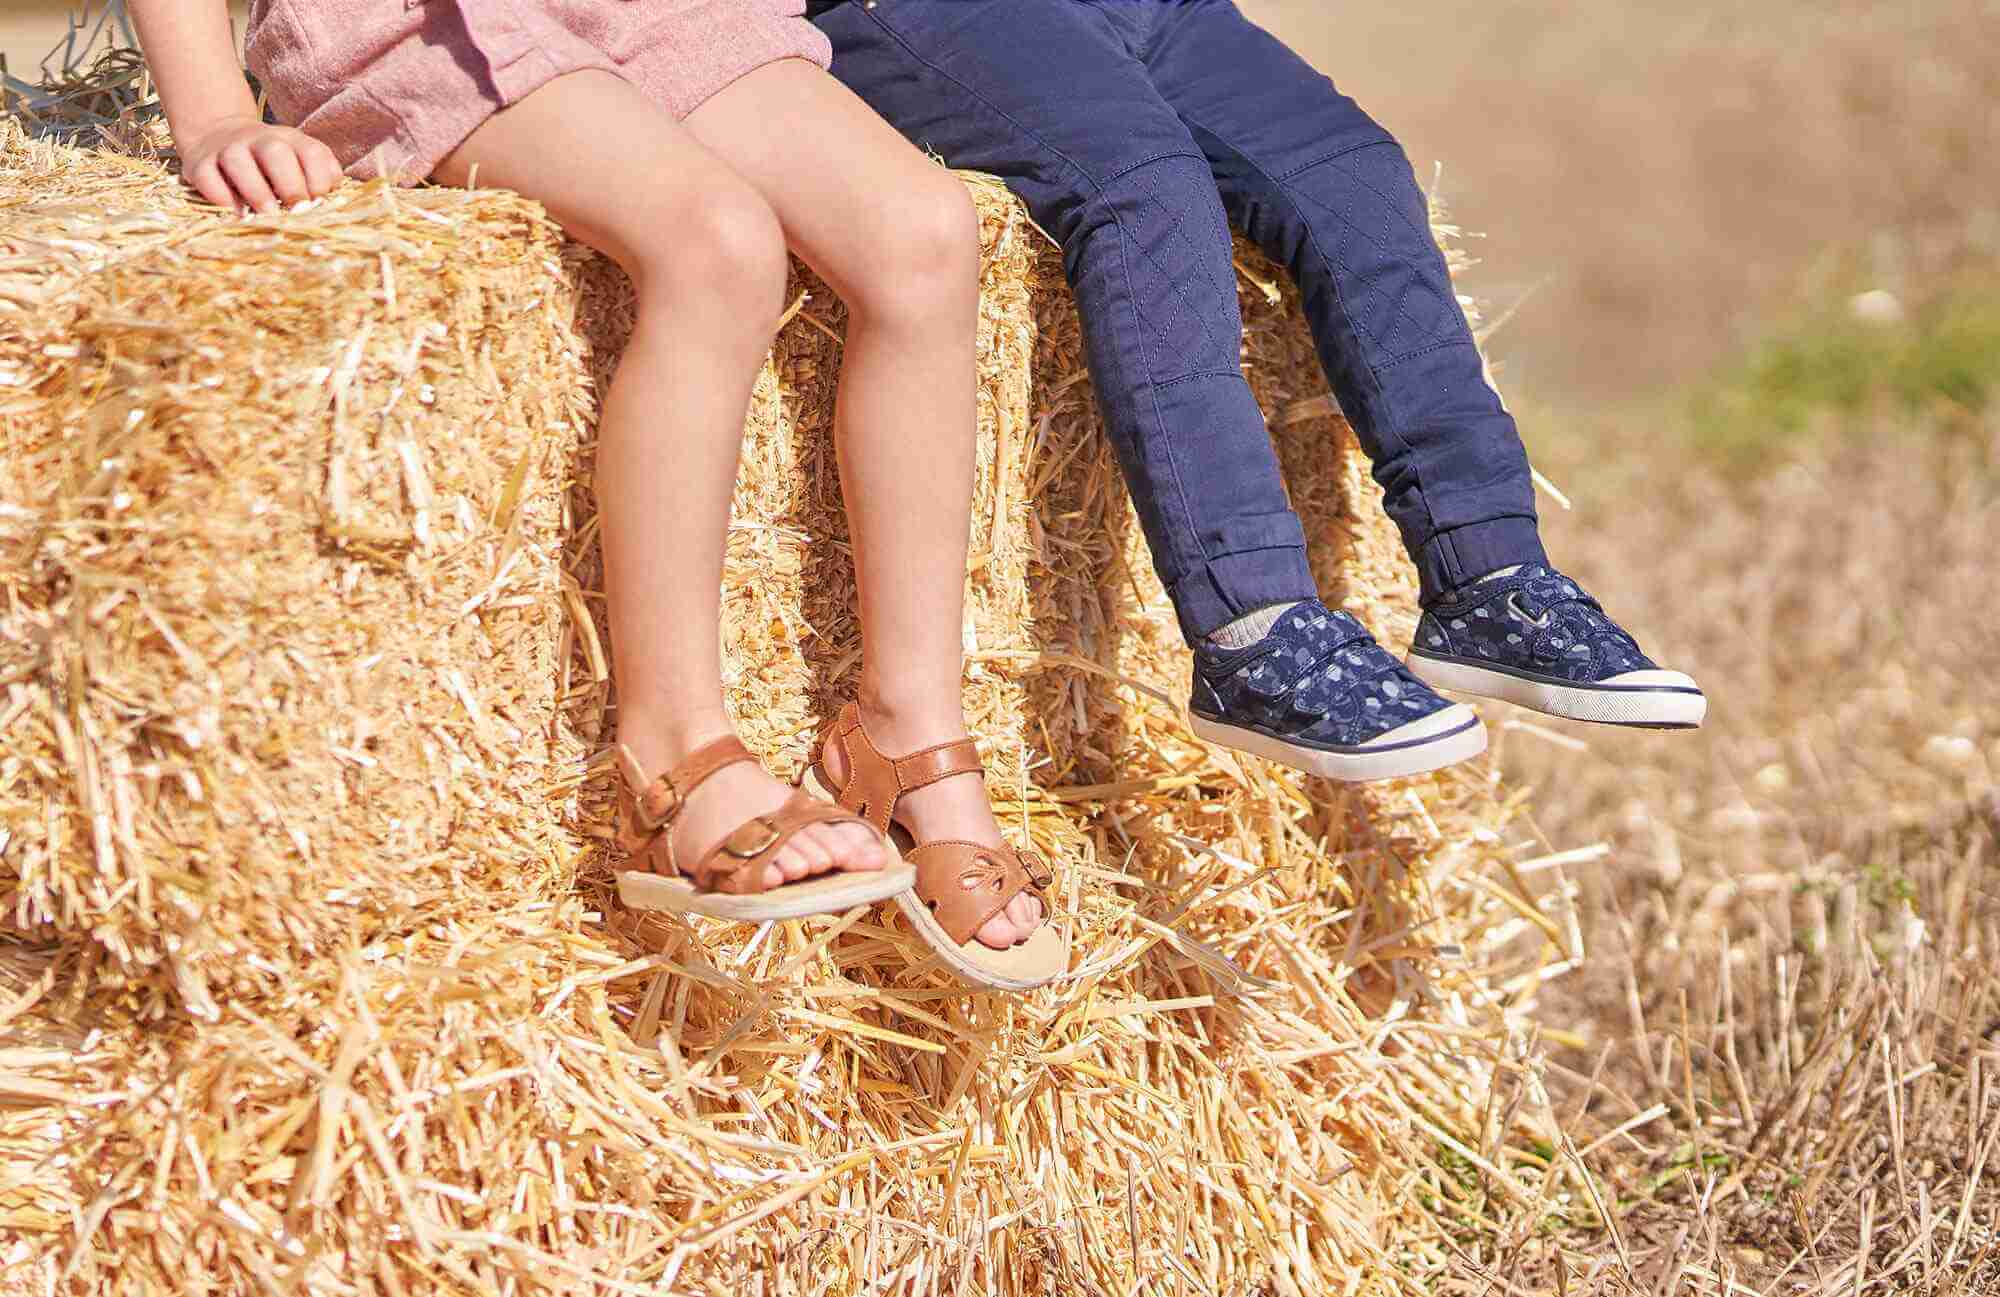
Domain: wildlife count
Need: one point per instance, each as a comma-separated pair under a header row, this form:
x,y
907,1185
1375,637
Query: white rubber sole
x,y
1443,738
1664,700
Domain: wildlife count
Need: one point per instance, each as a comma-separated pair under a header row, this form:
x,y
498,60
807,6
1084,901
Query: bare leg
x,y
895,235
707,256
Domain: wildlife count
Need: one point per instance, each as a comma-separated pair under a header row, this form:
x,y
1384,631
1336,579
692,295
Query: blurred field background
x,y
1781,1050
1788,1008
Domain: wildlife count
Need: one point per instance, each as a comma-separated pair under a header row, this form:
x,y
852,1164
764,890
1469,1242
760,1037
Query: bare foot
x,y
950,809
733,795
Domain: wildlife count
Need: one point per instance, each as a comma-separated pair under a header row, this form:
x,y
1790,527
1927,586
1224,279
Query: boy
x,y
1136,130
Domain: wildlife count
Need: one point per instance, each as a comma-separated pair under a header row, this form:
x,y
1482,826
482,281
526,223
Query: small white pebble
x,y
1949,751
1876,306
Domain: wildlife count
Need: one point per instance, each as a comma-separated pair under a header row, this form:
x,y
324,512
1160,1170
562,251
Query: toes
x,y
1013,924
813,850
1024,912
858,849
786,867
998,932
822,849
791,864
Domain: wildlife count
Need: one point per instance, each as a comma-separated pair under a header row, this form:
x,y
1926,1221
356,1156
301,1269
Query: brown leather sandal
x,y
960,885
729,883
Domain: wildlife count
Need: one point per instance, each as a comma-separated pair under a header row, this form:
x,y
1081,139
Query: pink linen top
x,y
393,86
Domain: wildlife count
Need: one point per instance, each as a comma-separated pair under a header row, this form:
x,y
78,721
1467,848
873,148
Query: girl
x,y
691,141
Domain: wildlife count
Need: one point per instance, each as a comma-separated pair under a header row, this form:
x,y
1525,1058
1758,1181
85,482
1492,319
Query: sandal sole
x,y
1034,963
828,894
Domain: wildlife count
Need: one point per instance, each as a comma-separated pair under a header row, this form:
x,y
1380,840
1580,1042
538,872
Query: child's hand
x,y
242,162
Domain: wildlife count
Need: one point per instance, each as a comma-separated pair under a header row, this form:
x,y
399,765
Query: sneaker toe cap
x,y
1446,720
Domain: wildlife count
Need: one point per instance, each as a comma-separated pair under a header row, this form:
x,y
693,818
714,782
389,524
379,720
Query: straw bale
x,y
281,564
1289,1057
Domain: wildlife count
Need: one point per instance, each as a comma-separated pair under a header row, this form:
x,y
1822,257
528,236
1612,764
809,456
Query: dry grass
x,y
92,84
282,595
1793,1006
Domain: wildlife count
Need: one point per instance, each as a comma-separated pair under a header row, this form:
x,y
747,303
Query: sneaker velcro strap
x,y
1300,650
1542,589
1274,675
1348,630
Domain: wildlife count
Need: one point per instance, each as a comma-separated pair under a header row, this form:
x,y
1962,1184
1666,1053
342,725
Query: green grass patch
x,y
1829,373
1818,376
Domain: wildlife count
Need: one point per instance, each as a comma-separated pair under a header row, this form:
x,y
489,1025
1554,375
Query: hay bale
x,y
1288,1058
282,598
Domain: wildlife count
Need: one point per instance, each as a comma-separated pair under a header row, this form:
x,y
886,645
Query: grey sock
x,y
1251,626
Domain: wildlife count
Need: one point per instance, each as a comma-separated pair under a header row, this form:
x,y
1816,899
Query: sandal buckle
x,y
733,847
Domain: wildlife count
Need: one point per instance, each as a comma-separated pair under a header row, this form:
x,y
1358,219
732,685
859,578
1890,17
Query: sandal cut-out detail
x,y
731,880
960,885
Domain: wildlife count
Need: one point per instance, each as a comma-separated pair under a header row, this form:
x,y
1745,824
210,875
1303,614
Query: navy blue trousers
x,y
1136,131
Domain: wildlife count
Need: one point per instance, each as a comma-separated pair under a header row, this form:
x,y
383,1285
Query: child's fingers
x,y
279,162
206,177
240,167
322,168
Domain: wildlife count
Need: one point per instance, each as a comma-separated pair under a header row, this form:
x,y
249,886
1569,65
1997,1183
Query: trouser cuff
x,y
1227,586
1464,554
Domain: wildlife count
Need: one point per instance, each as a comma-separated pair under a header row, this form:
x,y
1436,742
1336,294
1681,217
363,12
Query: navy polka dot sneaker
x,y
1317,693
1533,637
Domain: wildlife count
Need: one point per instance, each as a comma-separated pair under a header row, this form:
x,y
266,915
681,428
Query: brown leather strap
x,y
705,761
921,769
871,788
966,884
875,782
648,808
737,865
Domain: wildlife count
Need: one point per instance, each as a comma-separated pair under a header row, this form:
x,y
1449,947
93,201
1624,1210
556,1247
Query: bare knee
x,y
924,267
723,251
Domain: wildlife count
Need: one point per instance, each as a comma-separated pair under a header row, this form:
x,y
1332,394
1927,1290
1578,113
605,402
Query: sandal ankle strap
x,y
941,761
877,781
656,802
